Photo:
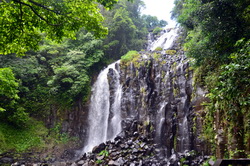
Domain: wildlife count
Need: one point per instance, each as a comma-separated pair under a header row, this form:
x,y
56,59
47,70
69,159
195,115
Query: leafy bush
x,y
170,52
131,56
8,88
229,94
9,108
157,30
158,49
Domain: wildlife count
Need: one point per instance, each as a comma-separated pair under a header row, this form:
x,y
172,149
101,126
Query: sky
x,y
160,8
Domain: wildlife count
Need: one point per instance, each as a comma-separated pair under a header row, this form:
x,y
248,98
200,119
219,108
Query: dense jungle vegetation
x,y
217,38
44,66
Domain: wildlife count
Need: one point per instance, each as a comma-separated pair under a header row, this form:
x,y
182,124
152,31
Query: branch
x,y
44,7
21,17
36,13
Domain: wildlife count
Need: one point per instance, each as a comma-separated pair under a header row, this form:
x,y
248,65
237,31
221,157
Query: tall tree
x,y
23,21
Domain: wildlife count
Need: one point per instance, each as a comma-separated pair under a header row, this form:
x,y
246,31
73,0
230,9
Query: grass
x,y
131,56
21,139
34,138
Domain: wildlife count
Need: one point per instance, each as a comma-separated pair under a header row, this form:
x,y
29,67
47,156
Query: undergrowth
x,y
35,137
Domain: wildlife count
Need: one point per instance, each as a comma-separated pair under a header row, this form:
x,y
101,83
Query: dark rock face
x,y
74,120
160,92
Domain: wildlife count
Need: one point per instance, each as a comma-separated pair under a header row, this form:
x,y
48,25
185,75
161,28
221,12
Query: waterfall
x,y
155,101
159,93
175,85
160,119
101,110
184,138
165,41
115,121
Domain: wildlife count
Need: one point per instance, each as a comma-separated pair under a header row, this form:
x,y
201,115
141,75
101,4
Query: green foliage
x,y
157,30
157,56
71,77
45,78
230,86
23,22
206,164
60,137
158,49
22,139
104,153
126,27
230,96
8,88
131,56
216,31
19,117
213,27
9,110
170,52
152,22
99,161
34,137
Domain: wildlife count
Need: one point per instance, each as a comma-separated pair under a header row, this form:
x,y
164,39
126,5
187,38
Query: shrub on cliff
x,y
131,56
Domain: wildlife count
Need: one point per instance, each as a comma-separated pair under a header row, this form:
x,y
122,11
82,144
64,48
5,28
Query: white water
x,y
115,122
100,130
160,119
184,135
165,41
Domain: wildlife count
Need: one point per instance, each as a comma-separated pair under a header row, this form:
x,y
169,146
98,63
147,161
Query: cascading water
x,y
165,41
114,127
101,111
160,119
184,138
172,86
155,99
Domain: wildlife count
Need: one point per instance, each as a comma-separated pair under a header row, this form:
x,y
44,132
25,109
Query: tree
x,y
9,109
152,22
72,69
213,27
218,40
126,27
8,88
24,21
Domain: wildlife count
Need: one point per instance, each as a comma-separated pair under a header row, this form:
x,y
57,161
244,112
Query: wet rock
x,y
211,162
132,164
80,162
73,164
120,161
100,157
99,148
6,160
134,151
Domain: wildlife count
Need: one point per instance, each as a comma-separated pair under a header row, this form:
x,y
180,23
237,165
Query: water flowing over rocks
x,y
147,112
158,107
133,148
104,111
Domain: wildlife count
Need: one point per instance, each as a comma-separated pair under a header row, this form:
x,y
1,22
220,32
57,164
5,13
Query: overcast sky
x,y
159,8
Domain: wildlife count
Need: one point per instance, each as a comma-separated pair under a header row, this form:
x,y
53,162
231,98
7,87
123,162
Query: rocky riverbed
x,y
129,148
133,148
